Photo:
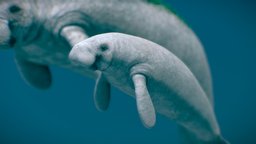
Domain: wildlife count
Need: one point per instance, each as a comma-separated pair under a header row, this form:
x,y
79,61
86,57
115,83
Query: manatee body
x,y
42,33
158,79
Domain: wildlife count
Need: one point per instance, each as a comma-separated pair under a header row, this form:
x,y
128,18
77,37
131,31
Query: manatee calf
x,y
156,77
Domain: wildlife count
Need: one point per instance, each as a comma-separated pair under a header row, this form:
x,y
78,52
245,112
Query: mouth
x,y
6,40
93,66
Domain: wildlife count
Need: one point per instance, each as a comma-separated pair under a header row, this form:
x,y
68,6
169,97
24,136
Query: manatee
x,y
155,77
42,33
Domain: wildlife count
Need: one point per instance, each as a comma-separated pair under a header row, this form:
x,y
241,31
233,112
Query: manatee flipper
x,y
188,138
36,75
73,34
145,105
102,93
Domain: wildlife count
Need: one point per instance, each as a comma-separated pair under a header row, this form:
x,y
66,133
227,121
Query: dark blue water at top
x,y
66,113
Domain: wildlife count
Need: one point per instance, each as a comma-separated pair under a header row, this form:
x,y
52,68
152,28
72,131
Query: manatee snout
x,y
82,55
5,35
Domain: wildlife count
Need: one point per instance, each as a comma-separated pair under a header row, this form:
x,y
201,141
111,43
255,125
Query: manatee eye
x,y
103,47
14,9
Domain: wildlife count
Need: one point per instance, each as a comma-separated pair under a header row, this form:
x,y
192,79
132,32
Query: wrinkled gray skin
x,y
42,33
146,70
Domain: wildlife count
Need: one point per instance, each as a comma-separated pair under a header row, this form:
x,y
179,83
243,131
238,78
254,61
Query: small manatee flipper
x,y
36,75
145,105
188,138
221,140
73,34
102,93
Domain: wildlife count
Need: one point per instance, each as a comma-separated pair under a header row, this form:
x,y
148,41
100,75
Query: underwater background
x,y
66,113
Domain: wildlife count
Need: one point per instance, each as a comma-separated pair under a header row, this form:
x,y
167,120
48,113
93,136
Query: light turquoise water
x,y
66,113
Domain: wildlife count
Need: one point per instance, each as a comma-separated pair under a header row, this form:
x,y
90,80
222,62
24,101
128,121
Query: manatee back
x,y
159,25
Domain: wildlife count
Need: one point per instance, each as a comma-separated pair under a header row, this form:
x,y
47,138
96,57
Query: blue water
x,y
66,113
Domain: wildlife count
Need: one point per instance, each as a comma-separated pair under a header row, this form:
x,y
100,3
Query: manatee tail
x,y
221,140
188,138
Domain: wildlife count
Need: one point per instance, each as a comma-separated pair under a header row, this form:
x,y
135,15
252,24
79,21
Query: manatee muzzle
x,y
6,40
83,56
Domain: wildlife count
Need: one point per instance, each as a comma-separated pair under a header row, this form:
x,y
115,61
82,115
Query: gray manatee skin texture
x,y
35,31
174,90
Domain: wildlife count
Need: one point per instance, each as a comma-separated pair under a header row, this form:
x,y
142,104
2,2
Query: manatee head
x,y
14,22
94,53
